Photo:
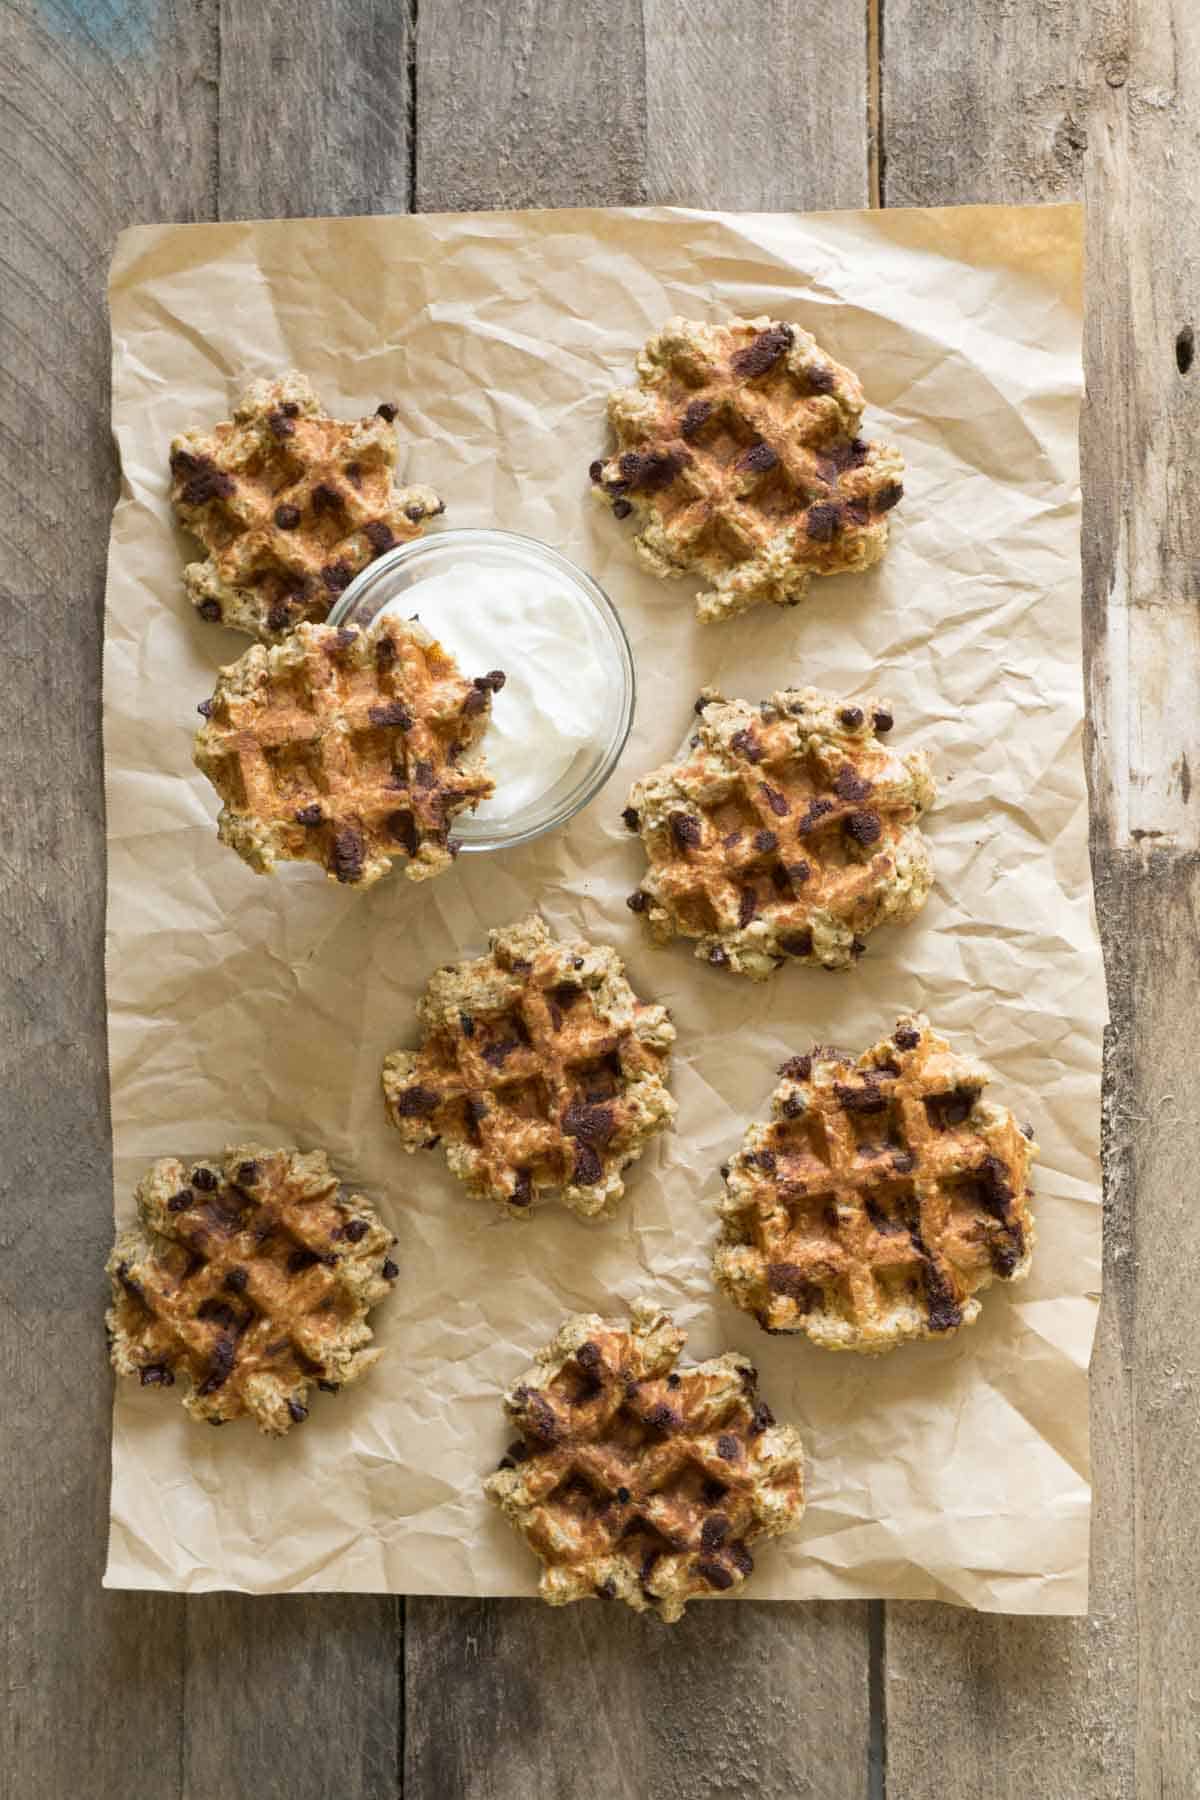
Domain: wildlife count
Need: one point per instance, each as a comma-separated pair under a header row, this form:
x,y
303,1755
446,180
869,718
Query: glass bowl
x,y
395,579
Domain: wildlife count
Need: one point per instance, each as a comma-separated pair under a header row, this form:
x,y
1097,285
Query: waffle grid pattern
x,y
881,1197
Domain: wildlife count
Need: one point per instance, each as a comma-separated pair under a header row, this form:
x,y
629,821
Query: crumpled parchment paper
x,y
244,1008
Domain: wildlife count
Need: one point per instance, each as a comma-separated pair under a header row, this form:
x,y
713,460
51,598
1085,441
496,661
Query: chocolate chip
x,y
355,1230
638,902
865,1099
414,513
179,1201
621,509
211,484
629,818
799,872
851,786
309,815
588,1167
389,1271
522,1194
236,1280
210,610
797,943
386,410
715,1574
904,1162
348,853
887,496
758,459
741,1559
864,827
290,409
591,1123
883,723
765,840
713,1532
278,616
817,810
822,521
281,424
764,352
793,1106
663,1418
606,1589
747,906
204,1179
287,517
220,1367
417,1103
685,829
747,746
385,653
727,1447
337,576
796,1068
595,471
379,535
344,636
906,1037
819,379
650,470
761,1159
392,712
774,799
205,708
297,1412
1027,1131
718,956
301,1259
851,717
156,1375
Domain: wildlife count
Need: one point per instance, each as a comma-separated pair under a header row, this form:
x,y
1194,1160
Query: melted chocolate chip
x,y
764,352
906,1037
379,535
887,497
822,521
851,717
416,1103
638,901
864,827
348,853
391,712
287,517
309,815
758,459
629,818
402,829
685,830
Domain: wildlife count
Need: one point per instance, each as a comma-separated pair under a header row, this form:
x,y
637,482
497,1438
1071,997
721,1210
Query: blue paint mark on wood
x,y
110,27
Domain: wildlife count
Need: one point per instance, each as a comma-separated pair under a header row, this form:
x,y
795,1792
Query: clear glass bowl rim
x,y
501,837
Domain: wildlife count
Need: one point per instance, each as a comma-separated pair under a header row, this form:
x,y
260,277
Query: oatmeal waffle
x,y
290,506
346,748
784,832
883,1194
539,1069
739,456
636,1480
251,1278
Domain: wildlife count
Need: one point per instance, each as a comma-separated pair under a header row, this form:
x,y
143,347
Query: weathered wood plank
x,y
510,1699
315,109
529,105
299,1696
757,108
1034,102
97,128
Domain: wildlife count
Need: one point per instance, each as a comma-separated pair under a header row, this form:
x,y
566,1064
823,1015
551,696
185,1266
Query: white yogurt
x,y
559,699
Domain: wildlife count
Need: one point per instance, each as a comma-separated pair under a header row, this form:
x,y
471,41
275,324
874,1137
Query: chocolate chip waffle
x,y
784,832
638,1481
346,748
290,506
739,456
539,1069
881,1197
251,1279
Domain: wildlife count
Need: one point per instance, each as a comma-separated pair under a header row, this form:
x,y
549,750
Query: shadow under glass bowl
x,y
396,577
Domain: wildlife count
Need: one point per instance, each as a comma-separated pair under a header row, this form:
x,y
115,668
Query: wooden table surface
x,y
116,111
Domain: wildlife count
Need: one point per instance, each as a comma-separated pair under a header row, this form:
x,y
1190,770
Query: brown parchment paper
x,y
250,1008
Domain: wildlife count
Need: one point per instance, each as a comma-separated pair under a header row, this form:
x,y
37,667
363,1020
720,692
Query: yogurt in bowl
x,y
499,601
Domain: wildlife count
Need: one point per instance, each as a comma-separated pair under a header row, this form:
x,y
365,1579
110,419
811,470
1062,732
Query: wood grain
x,y
508,1699
315,113
773,117
94,131
530,103
775,1700
1027,103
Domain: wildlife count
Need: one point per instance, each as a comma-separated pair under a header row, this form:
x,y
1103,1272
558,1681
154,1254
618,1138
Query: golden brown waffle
x,y
881,1197
638,1481
290,505
251,1279
346,748
784,832
738,454
539,1069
